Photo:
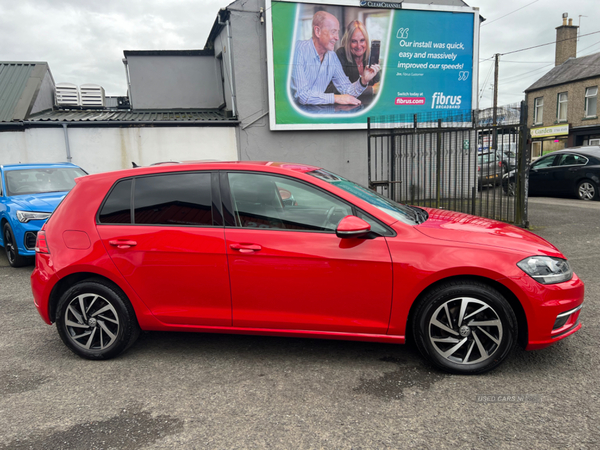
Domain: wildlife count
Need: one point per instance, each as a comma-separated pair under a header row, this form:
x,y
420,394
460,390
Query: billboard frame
x,y
357,3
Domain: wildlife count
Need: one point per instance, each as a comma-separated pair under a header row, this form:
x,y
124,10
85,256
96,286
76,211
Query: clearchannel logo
x,y
441,101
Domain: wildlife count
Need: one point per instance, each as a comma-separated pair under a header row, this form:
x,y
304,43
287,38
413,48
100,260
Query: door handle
x,y
122,243
246,248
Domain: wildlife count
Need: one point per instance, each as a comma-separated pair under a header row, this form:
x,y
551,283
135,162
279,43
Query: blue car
x,y
29,193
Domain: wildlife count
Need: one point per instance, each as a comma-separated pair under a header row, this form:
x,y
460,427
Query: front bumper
x,y
556,316
25,234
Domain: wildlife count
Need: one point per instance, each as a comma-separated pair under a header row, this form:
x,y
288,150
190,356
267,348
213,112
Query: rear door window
x,y
181,199
174,199
569,159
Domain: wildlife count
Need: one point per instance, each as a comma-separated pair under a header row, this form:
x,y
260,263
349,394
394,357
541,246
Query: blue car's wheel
x,y
11,249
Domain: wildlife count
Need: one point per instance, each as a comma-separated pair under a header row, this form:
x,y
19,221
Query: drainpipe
x,y
129,93
233,98
67,142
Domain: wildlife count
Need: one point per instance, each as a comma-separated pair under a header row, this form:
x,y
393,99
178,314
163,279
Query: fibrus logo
x,y
441,101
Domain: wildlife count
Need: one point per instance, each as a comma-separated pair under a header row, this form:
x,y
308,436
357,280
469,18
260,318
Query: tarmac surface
x,y
184,390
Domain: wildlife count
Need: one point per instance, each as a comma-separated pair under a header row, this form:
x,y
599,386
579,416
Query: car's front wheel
x,y
587,190
464,327
95,320
509,187
11,249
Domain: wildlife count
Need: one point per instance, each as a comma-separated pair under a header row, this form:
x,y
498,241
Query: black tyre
x,y
95,320
11,249
509,187
587,190
464,327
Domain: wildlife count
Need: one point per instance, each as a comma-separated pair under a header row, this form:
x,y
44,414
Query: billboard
x,y
333,64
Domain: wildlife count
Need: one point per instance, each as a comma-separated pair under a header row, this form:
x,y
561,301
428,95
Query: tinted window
x,y
117,208
174,199
265,201
570,159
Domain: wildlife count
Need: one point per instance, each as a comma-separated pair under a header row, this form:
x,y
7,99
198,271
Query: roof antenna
x,y
134,165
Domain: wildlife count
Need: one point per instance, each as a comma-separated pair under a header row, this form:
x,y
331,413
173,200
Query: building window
x,y
538,110
591,101
536,149
561,114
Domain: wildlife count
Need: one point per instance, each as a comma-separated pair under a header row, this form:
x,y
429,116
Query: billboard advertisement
x,y
333,64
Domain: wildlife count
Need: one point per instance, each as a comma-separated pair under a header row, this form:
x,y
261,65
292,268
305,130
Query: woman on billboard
x,y
355,55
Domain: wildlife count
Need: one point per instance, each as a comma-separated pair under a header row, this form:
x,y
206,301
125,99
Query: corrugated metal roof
x,y
571,70
13,80
110,116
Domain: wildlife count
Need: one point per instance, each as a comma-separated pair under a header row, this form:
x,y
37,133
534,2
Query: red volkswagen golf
x,y
293,250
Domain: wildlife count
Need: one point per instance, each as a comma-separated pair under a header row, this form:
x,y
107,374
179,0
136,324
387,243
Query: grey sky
x,y
83,40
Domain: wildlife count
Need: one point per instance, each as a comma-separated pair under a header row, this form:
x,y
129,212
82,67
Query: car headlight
x,y
546,270
26,216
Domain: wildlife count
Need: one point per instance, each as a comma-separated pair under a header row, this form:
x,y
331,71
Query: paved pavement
x,y
184,390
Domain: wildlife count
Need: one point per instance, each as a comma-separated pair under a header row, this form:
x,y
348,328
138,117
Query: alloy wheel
x,y
92,322
511,188
465,330
9,246
587,191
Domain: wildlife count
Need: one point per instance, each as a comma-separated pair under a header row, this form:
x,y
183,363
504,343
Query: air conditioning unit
x,y
66,94
92,96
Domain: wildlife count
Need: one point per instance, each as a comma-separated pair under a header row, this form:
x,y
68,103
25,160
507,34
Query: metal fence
x,y
457,161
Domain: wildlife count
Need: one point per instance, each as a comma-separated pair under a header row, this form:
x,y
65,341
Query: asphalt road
x,y
183,390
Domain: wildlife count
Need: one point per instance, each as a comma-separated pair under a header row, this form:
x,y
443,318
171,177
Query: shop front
x,y
548,139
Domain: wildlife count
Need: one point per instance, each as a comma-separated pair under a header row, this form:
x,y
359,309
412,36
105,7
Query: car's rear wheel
x,y
587,190
11,249
464,327
95,320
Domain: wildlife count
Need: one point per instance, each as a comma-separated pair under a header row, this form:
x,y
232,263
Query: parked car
x,y
569,172
508,159
489,170
28,195
213,247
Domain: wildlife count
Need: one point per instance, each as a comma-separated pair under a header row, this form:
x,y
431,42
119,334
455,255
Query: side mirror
x,y
352,227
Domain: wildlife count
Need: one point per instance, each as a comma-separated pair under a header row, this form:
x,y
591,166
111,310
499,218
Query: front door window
x,y
266,201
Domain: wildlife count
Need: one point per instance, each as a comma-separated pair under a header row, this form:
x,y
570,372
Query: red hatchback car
x,y
293,250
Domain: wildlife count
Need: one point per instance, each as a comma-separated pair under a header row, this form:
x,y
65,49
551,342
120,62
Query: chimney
x,y
566,41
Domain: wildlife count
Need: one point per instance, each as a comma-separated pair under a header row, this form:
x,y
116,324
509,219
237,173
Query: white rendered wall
x,y
103,149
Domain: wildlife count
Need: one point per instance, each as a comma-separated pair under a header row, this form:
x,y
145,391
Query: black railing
x,y
454,161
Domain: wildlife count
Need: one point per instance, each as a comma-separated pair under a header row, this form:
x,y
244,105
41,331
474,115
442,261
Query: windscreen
x,y
39,181
397,210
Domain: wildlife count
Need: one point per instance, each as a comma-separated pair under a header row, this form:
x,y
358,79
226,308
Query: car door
x,y
539,175
166,238
570,168
288,268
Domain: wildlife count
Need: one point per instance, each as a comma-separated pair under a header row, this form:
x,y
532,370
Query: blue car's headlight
x,y
26,216
546,270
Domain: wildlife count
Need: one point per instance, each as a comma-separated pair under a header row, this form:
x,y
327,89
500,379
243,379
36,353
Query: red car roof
x,y
280,167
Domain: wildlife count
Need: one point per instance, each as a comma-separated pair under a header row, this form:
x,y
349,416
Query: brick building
x,y
562,105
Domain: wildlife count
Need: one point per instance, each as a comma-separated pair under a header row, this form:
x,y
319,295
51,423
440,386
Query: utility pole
x,y
496,58
495,112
